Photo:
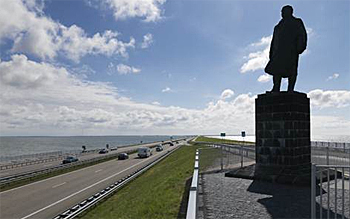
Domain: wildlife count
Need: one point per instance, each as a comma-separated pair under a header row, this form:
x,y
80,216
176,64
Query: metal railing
x,y
30,174
322,153
335,145
229,155
192,207
110,190
330,156
9,162
330,191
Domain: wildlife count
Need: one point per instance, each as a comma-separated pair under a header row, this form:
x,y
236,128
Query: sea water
x,y
15,146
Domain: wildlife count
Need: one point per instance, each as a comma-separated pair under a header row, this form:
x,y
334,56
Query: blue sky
x,y
161,67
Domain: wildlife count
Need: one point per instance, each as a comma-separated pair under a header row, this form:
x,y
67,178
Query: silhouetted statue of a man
x,y
288,41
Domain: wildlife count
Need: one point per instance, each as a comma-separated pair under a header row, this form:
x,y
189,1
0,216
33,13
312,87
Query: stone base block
x,y
282,132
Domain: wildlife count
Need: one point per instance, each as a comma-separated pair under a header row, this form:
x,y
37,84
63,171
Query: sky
x,y
161,67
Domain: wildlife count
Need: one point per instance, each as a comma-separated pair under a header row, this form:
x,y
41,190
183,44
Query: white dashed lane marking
x,y
61,184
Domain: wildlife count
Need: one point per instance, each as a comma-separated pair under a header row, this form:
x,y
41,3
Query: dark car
x,y
171,144
123,156
103,151
70,159
159,148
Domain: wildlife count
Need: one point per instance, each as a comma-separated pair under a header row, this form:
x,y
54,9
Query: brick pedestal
x,y
282,130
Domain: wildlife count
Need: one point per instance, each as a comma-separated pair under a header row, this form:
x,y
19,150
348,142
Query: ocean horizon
x,y
23,145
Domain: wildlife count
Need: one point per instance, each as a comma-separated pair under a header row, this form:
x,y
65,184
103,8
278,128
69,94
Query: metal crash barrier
x,y
192,206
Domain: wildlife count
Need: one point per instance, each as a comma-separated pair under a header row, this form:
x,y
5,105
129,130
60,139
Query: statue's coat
x,y
288,41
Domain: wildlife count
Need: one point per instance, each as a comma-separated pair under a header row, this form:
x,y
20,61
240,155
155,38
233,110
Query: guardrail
x,y
30,159
31,174
38,158
192,207
110,190
328,203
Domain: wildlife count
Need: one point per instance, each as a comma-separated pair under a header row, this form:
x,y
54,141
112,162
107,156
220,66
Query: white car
x,y
144,152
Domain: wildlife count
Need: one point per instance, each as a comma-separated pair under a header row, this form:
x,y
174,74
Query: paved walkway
x,y
223,197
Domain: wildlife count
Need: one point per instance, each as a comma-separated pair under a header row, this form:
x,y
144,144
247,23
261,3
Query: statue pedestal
x,y
282,147
282,129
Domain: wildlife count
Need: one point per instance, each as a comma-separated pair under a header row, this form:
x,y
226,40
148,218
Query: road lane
x,y
40,200
33,167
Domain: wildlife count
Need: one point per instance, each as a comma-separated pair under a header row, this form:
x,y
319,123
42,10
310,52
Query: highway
x,y
49,197
33,167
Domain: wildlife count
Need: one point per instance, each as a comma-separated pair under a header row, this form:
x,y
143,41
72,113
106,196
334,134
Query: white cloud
x,y
75,44
125,69
32,32
150,10
167,90
264,78
156,103
264,41
226,94
324,99
24,74
38,98
329,125
121,69
147,41
259,58
332,77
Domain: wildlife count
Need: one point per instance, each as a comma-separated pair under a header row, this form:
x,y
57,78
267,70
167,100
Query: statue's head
x,y
287,11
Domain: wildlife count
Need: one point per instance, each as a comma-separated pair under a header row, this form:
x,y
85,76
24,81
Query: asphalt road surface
x,y
50,197
33,167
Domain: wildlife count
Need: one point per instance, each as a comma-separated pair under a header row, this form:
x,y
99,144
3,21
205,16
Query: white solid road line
x,y
98,170
48,179
61,184
82,190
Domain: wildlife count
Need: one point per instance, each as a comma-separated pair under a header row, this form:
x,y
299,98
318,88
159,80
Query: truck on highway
x,y
144,152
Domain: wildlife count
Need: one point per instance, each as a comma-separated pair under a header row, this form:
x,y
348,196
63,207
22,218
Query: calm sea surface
x,y
12,146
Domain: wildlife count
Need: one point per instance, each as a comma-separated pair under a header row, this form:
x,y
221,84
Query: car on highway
x,y
123,156
70,159
144,152
171,144
159,148
103,151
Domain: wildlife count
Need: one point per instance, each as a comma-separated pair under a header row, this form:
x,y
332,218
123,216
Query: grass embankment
x,y
223,141
161,192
